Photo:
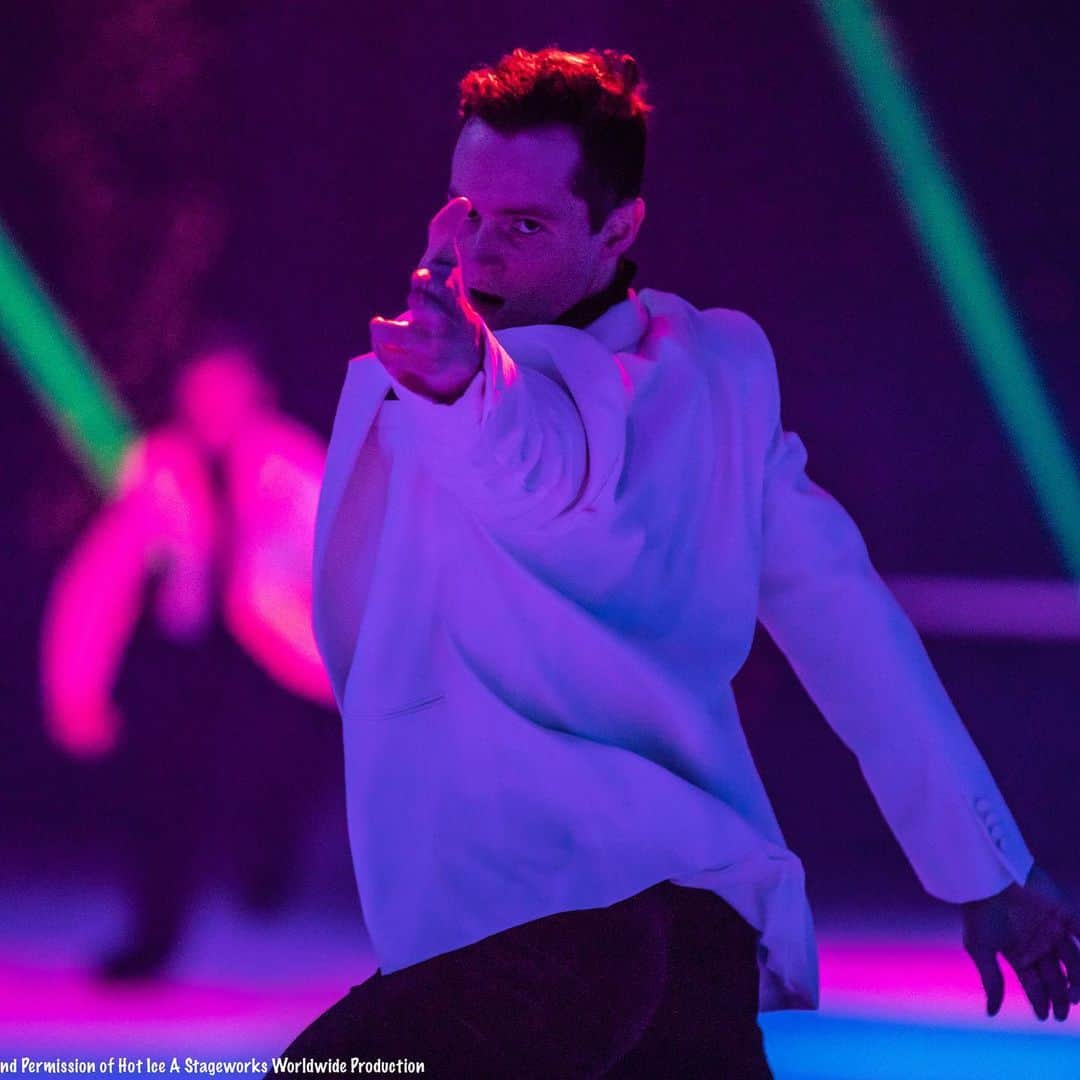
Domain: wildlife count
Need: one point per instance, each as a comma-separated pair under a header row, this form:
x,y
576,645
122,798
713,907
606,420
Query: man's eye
x,y
531,227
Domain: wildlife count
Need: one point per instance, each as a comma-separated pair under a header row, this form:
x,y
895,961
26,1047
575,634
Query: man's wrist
x,y
445,394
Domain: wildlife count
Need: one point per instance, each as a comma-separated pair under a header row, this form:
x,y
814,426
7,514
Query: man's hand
x,y
1033,926
436,347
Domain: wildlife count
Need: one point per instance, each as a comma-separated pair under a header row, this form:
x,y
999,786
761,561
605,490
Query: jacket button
x,y
997,832
982,804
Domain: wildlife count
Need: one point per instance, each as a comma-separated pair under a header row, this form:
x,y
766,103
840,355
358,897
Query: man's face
x,y
527,238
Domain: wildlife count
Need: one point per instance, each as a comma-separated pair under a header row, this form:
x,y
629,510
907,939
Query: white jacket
x,y
531,603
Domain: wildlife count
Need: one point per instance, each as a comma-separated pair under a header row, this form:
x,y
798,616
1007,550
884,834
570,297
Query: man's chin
x,y
504,316
491,313
499,320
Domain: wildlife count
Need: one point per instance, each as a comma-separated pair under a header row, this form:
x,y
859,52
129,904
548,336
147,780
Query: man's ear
x,y
621,228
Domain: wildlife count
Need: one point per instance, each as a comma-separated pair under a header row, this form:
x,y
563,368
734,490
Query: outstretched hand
x,y
1034,926
436,347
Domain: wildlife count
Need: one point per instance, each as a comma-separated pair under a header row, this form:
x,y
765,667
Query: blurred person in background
x,y
177,634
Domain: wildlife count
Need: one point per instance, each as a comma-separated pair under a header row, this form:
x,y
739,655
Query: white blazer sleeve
x,y
534,435
861,661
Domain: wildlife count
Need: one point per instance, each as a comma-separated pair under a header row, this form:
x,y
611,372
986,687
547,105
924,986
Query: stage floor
x,y
900,1000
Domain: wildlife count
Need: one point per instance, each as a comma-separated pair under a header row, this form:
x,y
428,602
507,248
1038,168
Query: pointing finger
x,y
441,250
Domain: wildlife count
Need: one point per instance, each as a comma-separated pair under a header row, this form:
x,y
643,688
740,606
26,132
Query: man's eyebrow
x,y
523,211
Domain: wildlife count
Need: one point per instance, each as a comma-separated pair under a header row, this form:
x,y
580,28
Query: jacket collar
x,y
615,316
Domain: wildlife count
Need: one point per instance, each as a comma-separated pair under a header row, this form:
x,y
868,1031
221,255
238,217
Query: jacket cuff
x,y
448,433
463,410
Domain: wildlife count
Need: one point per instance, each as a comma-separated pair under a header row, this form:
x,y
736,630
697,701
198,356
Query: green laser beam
x,y
961,266
59,370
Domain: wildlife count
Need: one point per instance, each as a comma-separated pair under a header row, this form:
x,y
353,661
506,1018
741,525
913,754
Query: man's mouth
x,y
485,301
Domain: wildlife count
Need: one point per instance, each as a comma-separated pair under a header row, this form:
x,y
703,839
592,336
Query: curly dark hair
x,y
600,95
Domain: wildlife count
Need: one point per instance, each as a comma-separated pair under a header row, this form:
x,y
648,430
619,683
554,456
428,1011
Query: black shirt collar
x,y
592,307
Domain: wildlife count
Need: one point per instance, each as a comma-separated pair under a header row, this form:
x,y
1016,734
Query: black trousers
x,y
664,983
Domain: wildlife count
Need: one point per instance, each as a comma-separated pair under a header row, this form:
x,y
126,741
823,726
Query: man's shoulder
x,y
726,326
731,343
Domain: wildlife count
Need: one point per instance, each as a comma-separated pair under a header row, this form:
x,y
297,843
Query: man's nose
x,y
483,244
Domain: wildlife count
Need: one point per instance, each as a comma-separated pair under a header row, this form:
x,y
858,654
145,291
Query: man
x,y
552,512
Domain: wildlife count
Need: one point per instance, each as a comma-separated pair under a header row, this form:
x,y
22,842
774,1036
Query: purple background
x,y
274,165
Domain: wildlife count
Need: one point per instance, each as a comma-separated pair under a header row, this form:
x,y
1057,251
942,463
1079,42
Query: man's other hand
x,y
436,347
1034,926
